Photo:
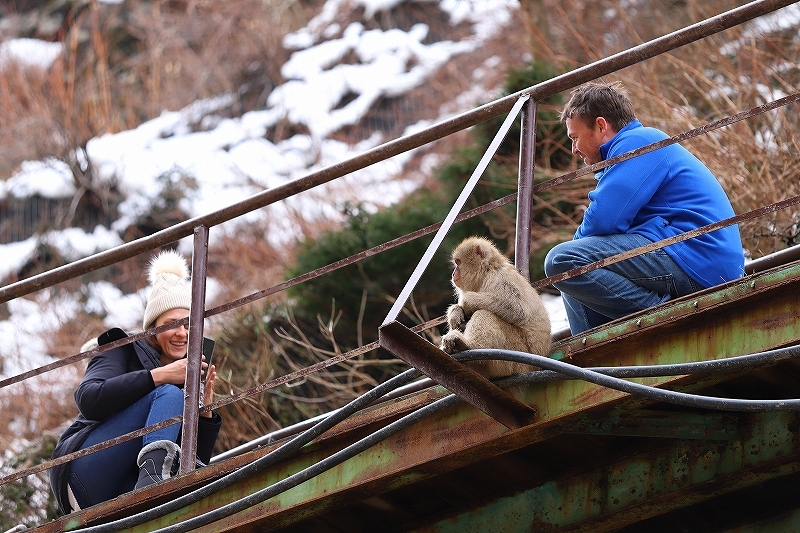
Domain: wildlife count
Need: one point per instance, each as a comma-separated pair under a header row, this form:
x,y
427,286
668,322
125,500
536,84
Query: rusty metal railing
x,y
460,122
524,101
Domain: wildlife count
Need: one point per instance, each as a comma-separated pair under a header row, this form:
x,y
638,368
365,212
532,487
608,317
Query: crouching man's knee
x,y
559,259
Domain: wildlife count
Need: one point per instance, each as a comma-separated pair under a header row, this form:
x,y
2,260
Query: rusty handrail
x,y
460,122
763,263
392,148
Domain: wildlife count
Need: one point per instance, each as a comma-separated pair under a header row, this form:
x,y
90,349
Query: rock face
x,y
45,20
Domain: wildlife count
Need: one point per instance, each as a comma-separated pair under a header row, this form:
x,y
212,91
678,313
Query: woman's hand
x,y
174,373
208,391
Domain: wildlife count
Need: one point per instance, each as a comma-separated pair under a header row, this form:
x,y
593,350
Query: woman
x,y
131,387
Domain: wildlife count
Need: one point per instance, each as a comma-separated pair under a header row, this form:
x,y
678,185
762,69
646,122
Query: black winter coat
x,y
114,380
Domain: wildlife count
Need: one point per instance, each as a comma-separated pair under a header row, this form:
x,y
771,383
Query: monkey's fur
x,y
497,308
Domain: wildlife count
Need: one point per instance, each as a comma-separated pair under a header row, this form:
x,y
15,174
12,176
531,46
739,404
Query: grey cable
x,y
653,393
554,370
263,463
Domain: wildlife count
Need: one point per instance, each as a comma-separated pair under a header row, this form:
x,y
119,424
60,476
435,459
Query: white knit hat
x,y
171,289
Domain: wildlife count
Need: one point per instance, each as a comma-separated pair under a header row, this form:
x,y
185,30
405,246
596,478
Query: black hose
x,y
728,364
653,393
314,470
553,370
260,464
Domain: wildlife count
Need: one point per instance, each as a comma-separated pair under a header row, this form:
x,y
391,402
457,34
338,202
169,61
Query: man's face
x,y
587,138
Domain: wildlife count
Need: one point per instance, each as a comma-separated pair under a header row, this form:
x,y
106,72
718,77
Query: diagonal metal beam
x,y
454,210
460,380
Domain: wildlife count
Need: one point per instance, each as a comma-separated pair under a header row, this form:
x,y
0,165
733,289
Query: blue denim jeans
x,y
616,290
106,474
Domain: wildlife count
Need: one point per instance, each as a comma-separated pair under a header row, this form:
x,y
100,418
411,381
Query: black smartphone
x,y
208,350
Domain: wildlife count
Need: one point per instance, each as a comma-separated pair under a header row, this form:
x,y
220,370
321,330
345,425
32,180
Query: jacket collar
x,y
606,146
146,354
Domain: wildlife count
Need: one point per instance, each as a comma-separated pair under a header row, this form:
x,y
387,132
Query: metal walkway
x,y
593,459
586,453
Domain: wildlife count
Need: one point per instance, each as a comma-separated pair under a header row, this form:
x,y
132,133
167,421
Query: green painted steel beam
x,y
732,320
665,424
758,313
643,485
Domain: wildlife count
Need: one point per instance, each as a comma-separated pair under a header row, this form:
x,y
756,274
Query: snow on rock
x,y
29,53
50,178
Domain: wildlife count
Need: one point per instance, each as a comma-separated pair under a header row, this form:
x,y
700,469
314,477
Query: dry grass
x,y
246,262
756,160
116,72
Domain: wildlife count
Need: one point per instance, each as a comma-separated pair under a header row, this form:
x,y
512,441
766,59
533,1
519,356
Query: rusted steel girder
x,y
763,316
643,485
720,308
459,379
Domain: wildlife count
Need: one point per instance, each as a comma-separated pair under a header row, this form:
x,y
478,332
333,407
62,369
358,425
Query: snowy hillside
x,y
334,77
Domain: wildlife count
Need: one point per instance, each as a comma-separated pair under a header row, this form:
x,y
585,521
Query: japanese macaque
x,y
497,308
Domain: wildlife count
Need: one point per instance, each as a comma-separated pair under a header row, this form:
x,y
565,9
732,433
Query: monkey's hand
x,y
453,342
456,318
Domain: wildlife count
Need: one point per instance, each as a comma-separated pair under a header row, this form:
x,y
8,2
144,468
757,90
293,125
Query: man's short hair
x,y
594,99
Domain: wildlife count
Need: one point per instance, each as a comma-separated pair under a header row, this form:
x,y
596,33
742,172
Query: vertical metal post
x,y
191,406
527,163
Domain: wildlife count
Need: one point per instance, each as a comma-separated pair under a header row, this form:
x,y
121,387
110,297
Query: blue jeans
x,y
616,290
106,474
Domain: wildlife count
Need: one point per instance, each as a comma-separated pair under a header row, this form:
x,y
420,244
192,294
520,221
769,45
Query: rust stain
x,y
774,322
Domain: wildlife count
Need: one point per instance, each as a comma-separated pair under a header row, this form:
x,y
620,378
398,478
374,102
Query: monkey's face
x,y
456,272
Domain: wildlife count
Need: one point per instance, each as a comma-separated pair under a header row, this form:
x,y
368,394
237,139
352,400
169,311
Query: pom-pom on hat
x,y
171,289
91,344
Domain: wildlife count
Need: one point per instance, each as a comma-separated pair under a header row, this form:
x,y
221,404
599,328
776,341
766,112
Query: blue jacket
x,y
661,194
114,380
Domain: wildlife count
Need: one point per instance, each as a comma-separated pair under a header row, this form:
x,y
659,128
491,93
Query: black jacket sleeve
x,y
113,381
207,432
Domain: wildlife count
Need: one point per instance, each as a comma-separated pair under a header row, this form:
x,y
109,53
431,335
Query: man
x,y
651,197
